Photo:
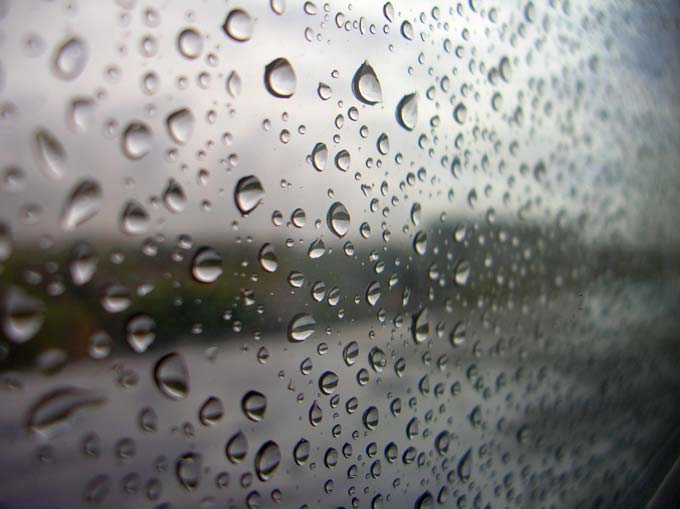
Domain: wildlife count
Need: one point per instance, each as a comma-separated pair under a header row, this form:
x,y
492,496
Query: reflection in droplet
x,y
134,220
22,315
366,86
328,382
268,259
267,460
279,78
172,377
207,265
316,249
373,293
254,405
180,125
70,58
136,140
83,204
338,219
301,327
238,25
50,154
407,111
248,194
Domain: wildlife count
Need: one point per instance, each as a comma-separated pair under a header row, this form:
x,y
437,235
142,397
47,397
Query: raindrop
x,y
420,243
373,293
315,414
370,418
51,154
316,249
207,265
190,43
383,144
342,160
248,194
425,501
324,91
234,84
421,326
97,489
278,6
464,468
441,443
268,260
180,125
140,332
80,114
407,111
84,203
407,30
461,273
338,219
53,413
460,113
23,315
254,405
301,327
301,451
237,448
211,411
328,382
171,376
116,299
366,86
173,197
319,156
458,334
279,78
267,460
134,220
238,25
70,58
350,353
136,141
189,470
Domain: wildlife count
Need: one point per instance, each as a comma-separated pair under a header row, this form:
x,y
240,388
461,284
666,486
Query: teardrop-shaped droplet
x,y
328,382
140,332
366,86
457,337
267,257
180,125
22,315
420,243
350,353
234,84
70,58
84,203
267,460
441,443
462,272
237,448
134,220
383,144
316,249
464,468
421,326
315,414
254,405
373,293
338,219
425,501
211,411
83,264
173,197
301,327
188,470
248,194
324,91
53,413
238,25
207,265
301,451
80,114
172,377
50,154
136,140
190,43
319,156
407,30
342,160
370,418
407,111
279,78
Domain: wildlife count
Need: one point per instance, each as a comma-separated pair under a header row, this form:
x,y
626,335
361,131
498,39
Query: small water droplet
x,y
370,418
238,25
328,382
338,219
420,243
140,332
234,84
83,264
366,86
207,265
134,220
319,156
84,203
407,30
279,78
421,326
180,125
70,58
464,468
23,315
267,257
254,405
407,111
136,140
383,144
173,197
80,114
267,460
342,160
188,470
373,293
190,43
248,194
316,249
462,272
301,451
171,376
237,448
301,327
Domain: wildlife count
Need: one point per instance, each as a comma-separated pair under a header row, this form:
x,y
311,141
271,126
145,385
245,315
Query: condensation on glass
x,y
307,254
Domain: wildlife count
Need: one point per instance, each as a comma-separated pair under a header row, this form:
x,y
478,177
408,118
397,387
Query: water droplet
x,y
324,91
460,113
237,448
23,315
140,332
319,156
458,334
373,293
238,25
254,405
383,144
342,160
134,219
180,125
316,249
416,214
84,203
301,451
278,6
97,489
211,411
189,470
190,43
301,327
53,413
136,140
83,264
234,84
366,86
407,111
328,382
279,78
80,114
296,279
350,353
420,243
172,377
116,298
407,30
207,265
267,460
370,418
462,272
464,468
173,197
315,414
248,194
267,257
51,154
70,58
425,501
421,326
441,443
338,219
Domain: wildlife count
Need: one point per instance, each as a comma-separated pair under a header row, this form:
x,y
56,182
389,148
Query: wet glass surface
x,y
305,254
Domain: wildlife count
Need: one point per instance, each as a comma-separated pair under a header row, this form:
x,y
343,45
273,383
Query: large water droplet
x,y
319,156
338,219
267,257
180,125
373,293
70,58
248,194
366,86
211,411
343,160
462,272
237,448
421,326
50,154
301,327
140,332
279,78
371,417
301,451
267,460
80,114
83,264
207,265
420,243
172,377
238,25
22,316
464,468
173,197
328,382
116,298
189,468
84,203
316,249
315,414
53,413
134,219
254,405
190,43
136,140
407,111
234,84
